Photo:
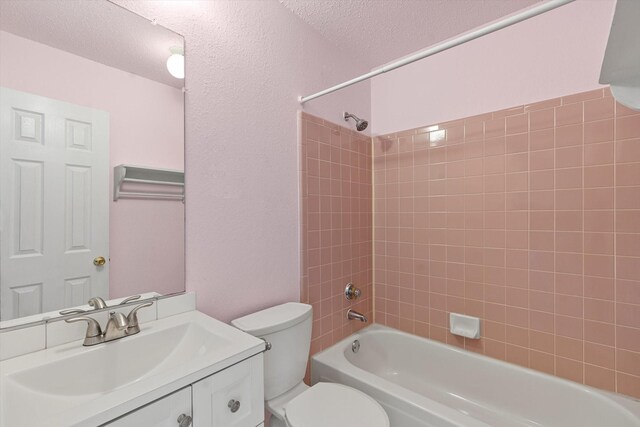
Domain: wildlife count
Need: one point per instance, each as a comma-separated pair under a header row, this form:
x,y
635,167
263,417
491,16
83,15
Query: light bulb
x,y
175,64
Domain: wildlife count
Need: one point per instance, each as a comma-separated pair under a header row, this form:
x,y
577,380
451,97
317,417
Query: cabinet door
x,y
161,413
233,397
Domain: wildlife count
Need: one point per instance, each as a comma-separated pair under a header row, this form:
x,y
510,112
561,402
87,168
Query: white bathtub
x,y
421,383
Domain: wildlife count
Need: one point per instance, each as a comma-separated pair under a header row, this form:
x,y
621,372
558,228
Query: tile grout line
x,y
555,334
373,232
584,368
615,250
529,228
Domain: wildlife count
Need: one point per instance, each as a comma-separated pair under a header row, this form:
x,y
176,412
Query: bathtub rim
x,y
334,356
394,395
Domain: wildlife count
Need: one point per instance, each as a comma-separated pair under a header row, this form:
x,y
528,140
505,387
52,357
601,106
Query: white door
x,y
161,413
54,204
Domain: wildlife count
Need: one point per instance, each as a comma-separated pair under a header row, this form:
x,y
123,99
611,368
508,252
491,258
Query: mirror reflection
x,y
91,156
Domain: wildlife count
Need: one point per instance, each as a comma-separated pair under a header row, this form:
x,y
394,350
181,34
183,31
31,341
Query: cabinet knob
x,y
234,405
184,420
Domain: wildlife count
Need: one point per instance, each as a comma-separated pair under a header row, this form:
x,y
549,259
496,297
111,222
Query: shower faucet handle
x,y
351,292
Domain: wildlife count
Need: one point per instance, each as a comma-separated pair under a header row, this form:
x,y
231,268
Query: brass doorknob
x,y
99,260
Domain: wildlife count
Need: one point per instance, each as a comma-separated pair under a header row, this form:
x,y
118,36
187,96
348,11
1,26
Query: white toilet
x,y
290,401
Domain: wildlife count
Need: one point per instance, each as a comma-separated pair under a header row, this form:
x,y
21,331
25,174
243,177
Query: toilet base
x,y
276,422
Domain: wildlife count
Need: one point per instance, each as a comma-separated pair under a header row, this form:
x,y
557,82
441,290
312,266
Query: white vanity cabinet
x,y
163,412
186,363
233,397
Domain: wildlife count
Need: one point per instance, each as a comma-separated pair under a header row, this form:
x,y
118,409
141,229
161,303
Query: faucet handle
x,y
132,318
94,333
127,300
351,292
71,311
97,303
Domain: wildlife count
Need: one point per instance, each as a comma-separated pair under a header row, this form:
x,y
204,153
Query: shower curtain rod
x,y
498,25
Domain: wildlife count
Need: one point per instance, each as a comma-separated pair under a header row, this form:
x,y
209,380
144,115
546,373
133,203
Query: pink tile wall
x,y
336,226
528,218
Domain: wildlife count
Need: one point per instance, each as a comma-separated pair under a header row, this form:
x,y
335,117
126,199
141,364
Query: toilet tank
x,y
287,327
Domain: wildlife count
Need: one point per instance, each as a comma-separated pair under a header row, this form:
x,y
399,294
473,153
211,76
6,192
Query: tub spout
x,y
354,315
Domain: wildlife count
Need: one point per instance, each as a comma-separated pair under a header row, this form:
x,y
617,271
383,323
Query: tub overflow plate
x,y
355,346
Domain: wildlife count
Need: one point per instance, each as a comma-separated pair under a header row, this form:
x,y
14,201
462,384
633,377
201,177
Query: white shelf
x,y
123,174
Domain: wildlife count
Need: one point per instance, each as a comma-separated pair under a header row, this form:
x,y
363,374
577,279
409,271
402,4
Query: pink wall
x,y
336,227
528,218
247,62
146,128
551,55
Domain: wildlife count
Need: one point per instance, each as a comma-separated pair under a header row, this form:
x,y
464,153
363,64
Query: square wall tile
x,y
530,221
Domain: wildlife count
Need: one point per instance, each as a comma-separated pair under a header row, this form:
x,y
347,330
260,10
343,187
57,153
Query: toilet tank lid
x,y
273,319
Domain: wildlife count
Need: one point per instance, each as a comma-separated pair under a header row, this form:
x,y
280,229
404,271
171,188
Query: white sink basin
x,y
104,368
76,385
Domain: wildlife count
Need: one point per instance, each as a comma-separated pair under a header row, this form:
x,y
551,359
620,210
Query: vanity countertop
x,y
72,385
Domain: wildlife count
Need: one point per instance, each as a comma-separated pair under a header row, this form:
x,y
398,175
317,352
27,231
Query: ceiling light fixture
x,y
175,63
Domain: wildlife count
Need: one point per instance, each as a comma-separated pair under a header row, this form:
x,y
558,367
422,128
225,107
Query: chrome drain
x,y
355,346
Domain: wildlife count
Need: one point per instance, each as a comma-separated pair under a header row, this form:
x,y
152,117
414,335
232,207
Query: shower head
x,y
360,124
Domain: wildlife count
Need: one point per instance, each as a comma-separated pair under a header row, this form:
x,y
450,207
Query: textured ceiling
x,y
379,31
97,30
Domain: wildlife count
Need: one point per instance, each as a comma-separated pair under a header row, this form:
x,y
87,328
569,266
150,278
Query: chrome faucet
x,y
118,326
354,315
351,292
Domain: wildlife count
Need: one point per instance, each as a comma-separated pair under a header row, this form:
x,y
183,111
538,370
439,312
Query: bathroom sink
x,y
104,368
76,385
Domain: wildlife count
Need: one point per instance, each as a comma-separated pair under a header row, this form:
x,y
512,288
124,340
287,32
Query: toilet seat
x,y
336,405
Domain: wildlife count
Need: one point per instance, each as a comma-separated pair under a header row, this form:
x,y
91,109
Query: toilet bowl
x,y
287,328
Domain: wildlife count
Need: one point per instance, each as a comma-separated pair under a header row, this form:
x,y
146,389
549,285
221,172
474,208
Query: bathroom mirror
x,y
88,88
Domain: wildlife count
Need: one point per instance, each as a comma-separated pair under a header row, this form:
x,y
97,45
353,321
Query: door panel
x,y
28,212
78,208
